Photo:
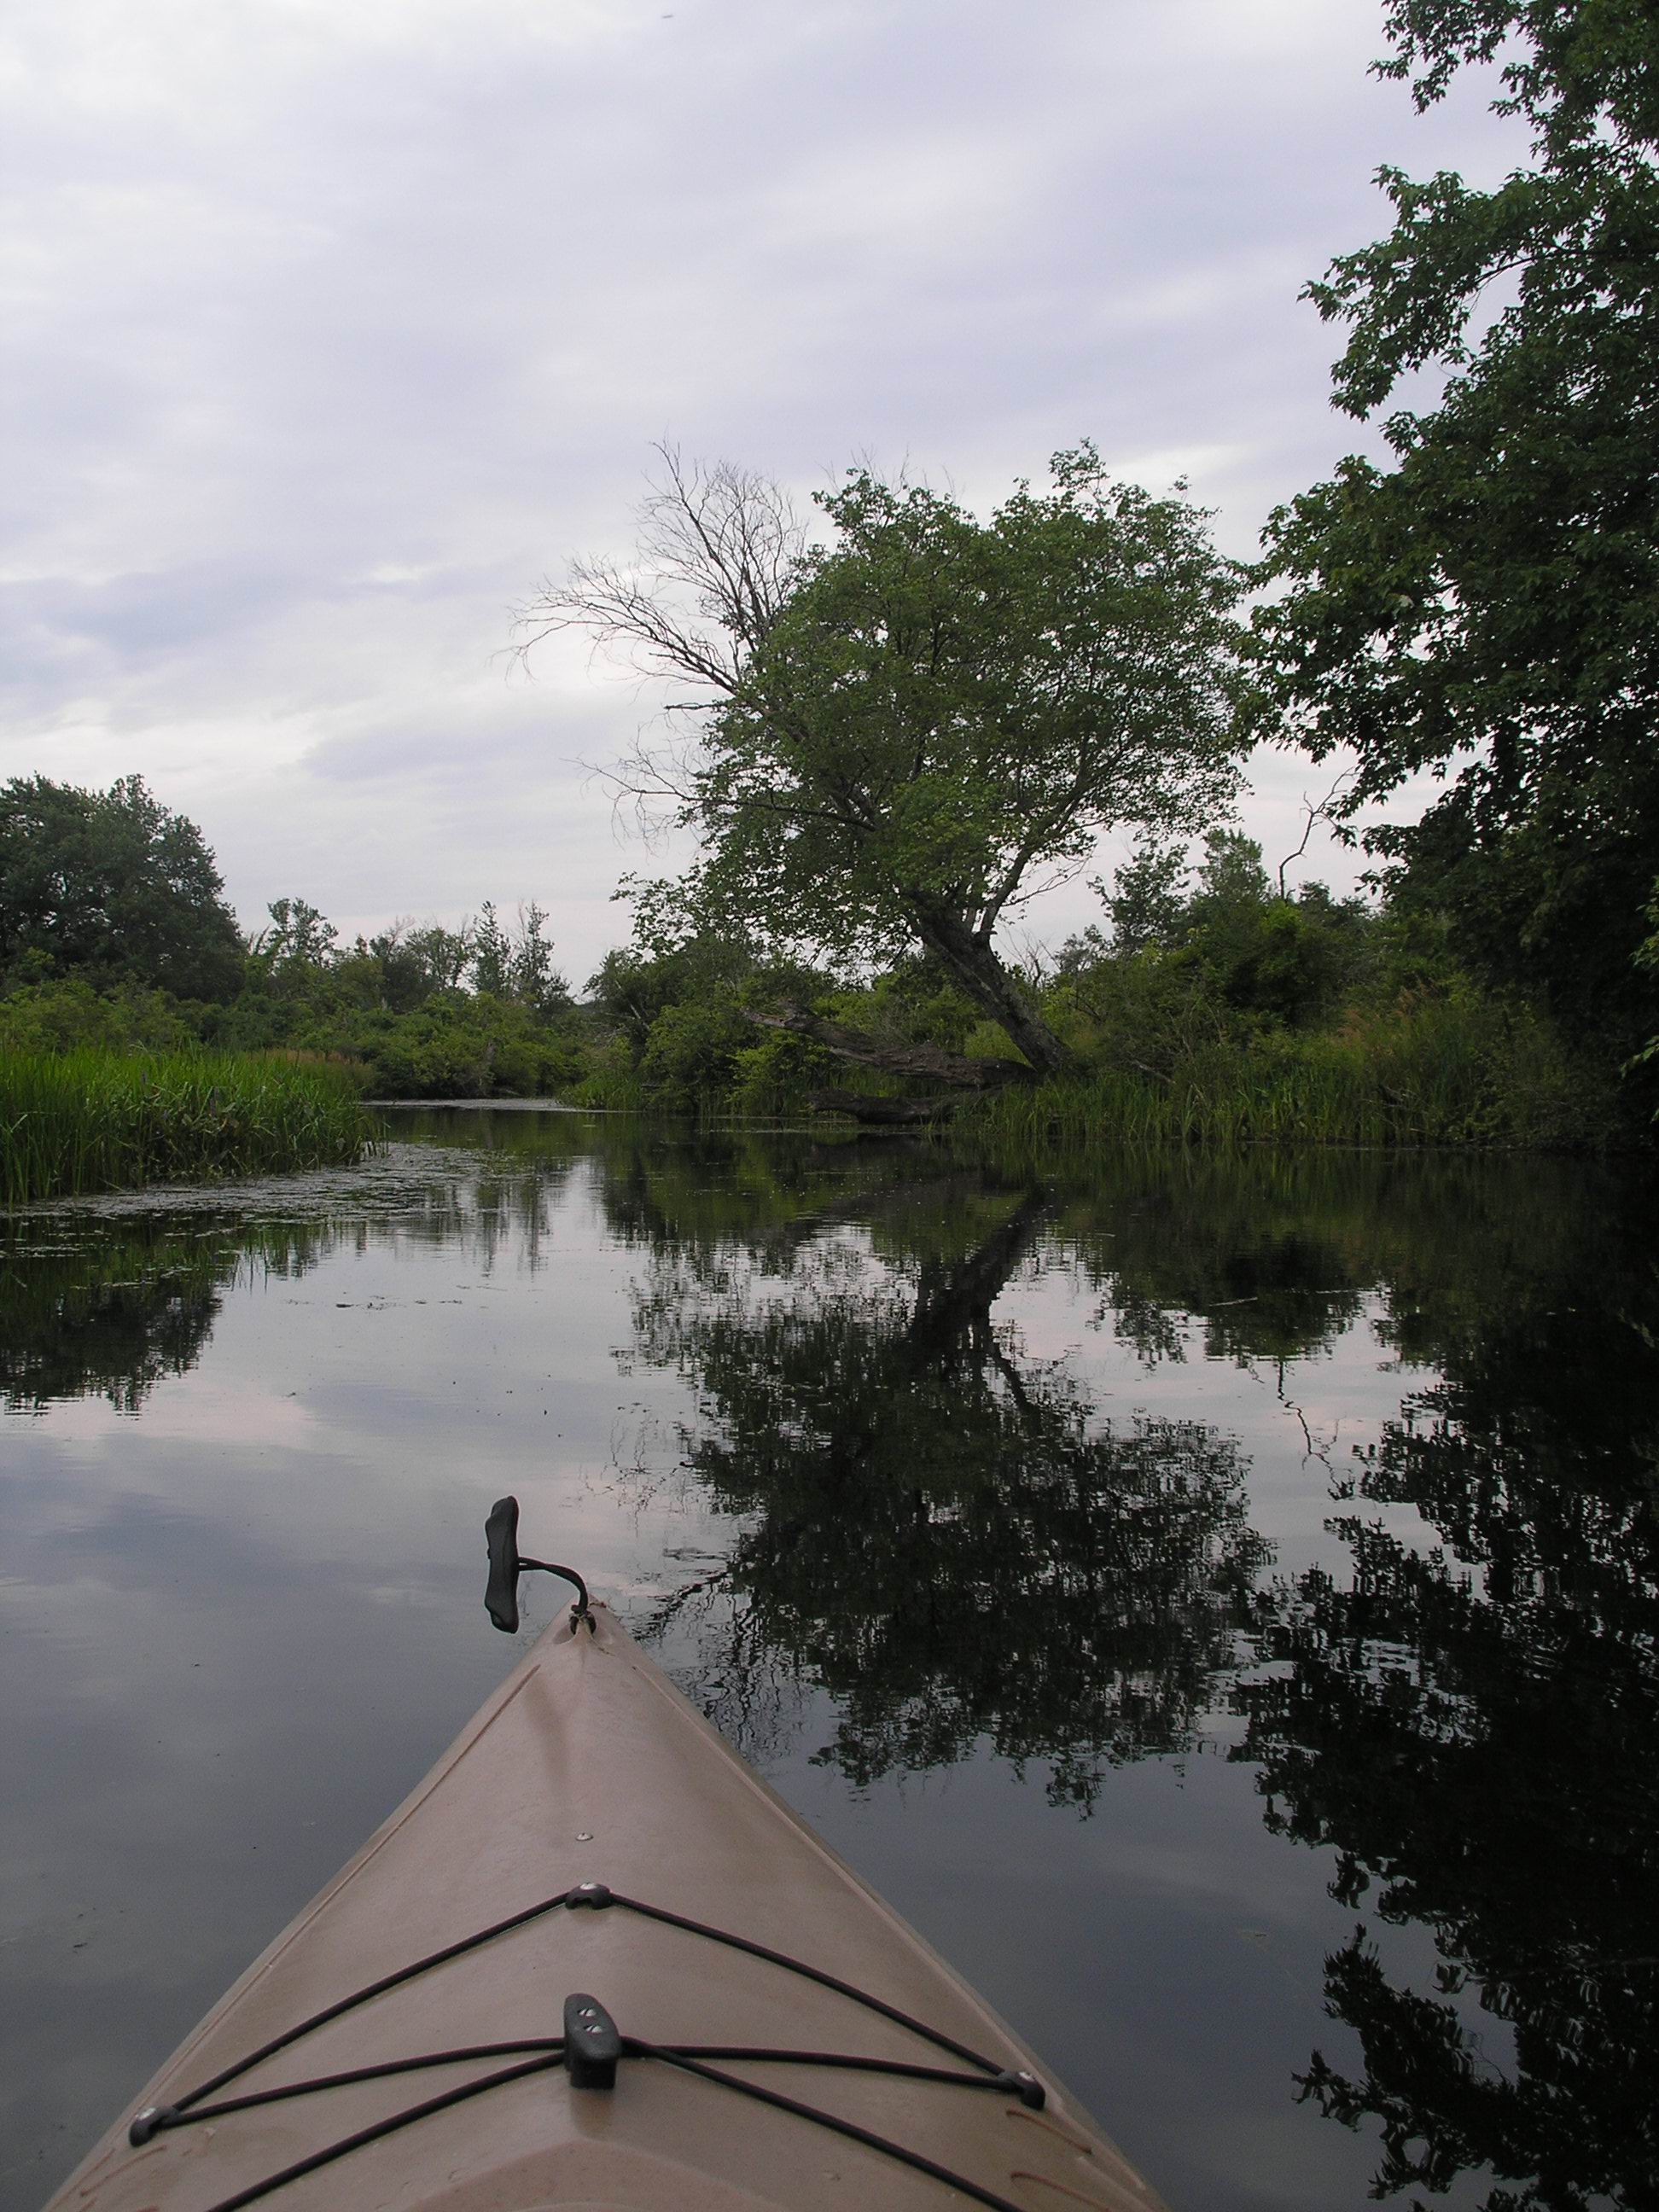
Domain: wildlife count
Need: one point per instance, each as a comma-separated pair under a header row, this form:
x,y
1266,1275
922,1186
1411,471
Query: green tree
x,y
535,981
1230,879
492,953
1266,954
417,960
300,939
1144,900
1483,607
113,886
630,987
900,736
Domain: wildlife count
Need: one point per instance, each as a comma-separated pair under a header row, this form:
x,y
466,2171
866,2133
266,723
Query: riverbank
x,y
1162,1056
1435,1074
75,1122
1462,1070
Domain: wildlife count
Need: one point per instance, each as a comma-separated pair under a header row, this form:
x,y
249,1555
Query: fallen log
x,y
931,1062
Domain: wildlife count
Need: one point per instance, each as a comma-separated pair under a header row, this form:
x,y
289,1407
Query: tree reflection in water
x,y
1475,1730
110,1309
938,1526
109,1298
933,1525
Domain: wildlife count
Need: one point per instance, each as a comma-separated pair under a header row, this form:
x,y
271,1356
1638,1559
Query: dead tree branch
x,y
1321,810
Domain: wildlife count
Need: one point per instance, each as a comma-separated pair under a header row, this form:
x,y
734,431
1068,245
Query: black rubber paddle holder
x,y
591,2043
501,1535
507,1564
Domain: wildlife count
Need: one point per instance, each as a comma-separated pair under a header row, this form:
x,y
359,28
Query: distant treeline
x,y
1209,1002
114,932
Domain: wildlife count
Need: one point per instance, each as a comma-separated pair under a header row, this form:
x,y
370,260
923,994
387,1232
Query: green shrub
x,y
62,1014
692,1054
775,1075
458,1046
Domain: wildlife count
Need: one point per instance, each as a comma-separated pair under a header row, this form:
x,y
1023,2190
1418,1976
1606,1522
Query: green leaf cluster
x,y
113,886
1485,606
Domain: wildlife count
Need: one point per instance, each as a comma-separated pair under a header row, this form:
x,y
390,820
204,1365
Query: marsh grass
x,y
87,1121
611,1090
1436,1075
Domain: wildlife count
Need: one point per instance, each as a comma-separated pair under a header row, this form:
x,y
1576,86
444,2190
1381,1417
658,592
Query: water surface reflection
x,y
933,1524
1218,1600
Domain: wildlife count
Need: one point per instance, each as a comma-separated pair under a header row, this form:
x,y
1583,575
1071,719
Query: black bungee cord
x,y
592,2046
593,2065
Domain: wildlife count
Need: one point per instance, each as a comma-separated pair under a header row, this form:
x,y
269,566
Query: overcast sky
x,y
329,326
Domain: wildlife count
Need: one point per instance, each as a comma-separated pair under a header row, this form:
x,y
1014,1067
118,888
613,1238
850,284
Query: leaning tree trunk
x,y
970,960
972,963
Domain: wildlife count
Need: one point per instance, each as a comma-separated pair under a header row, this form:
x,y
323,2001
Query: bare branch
x,y
716,549
1315,811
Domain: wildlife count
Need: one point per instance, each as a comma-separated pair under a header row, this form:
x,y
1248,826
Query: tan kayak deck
x,y
588,1766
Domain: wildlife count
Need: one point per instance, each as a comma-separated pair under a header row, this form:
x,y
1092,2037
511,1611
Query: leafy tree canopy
x,y
299,937
1483,606
112,886
906,731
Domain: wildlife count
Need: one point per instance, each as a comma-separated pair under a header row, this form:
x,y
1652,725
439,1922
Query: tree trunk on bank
x,y
974,966
972,963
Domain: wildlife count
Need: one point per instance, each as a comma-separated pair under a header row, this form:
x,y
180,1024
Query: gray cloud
x,y
328,327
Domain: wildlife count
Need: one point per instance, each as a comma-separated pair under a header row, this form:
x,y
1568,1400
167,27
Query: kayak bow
x,y
594,1960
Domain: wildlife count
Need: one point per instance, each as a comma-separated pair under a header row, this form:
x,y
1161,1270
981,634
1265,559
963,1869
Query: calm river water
x,y
1217,1601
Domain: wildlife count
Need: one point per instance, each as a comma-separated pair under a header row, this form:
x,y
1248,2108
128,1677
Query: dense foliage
x,y
1204,1005
1483,607
114,934
425,1010
1207,1003
113,886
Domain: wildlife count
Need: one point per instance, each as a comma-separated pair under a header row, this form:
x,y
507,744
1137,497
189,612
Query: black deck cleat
x,y
591,2043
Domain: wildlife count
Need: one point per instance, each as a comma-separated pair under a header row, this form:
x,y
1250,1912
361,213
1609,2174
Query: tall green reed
x,y
1437,1074
90,1120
